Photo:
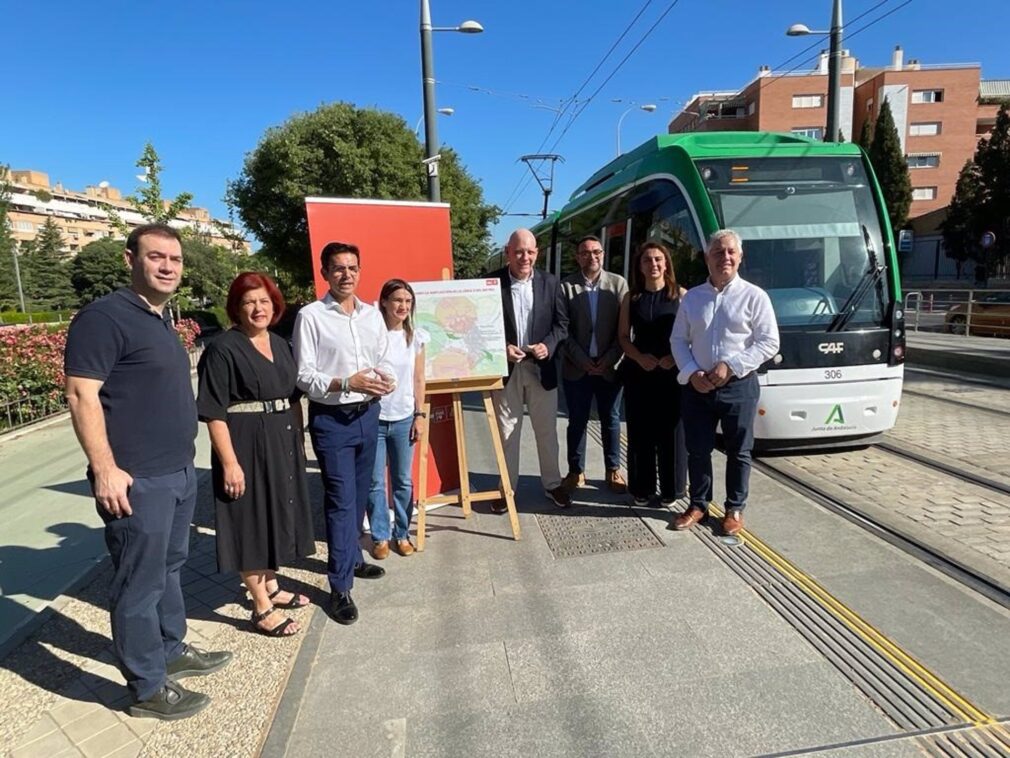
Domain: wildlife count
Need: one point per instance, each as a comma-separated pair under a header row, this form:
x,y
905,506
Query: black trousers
x,y
656,446
148,549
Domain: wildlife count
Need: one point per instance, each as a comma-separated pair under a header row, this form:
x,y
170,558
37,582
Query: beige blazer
x,y
575,355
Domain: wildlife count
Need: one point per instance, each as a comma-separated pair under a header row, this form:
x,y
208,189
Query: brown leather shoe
x,y
380,550
573,481
403,547
733,522
616,482
688,518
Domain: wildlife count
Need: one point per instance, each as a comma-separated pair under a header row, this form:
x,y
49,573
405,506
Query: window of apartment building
x,y
869,104
924,193
751,107
927,96
923,160
813,132
808,101
924,129
24,226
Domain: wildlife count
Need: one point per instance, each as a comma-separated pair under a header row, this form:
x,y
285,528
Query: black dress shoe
x,y
342,608
171,702
197,662
368,571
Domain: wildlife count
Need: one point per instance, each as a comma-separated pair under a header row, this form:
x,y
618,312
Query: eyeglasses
x,y
598,251
352,270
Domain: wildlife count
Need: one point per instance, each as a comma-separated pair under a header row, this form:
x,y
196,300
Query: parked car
x,y
990,316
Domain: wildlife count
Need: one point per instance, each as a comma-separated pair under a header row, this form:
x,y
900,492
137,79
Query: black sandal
x,y
292,604
277,631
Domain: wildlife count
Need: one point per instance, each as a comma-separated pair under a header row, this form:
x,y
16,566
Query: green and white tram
x,y
815,236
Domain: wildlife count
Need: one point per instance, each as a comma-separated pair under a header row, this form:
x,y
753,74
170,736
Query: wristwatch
x,y
420,414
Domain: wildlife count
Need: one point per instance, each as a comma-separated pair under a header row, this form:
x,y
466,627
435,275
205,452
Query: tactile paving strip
x,y
570,535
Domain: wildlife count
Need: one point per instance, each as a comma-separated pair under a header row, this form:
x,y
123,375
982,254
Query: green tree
x,y
98,270
960,229
992,159
148,201
46,272
345,151
866,135
8,249
207,273
891,167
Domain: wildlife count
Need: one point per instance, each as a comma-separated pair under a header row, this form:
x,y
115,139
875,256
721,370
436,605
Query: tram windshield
x,y
811,237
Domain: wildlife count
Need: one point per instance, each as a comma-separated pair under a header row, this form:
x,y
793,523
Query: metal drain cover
x,y
572,536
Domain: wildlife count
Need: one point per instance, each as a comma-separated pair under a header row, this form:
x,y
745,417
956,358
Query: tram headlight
x,y
899,352
899,313
777,359
706,173
897,334
876,355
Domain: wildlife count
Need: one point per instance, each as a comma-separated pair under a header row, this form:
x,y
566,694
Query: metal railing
x,y
15,414
969,312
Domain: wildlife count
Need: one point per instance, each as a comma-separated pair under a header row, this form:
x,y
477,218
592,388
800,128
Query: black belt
x,y
735,378
346,409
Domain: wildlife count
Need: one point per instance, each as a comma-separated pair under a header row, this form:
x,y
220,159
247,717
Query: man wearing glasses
x,y
341,346
593,299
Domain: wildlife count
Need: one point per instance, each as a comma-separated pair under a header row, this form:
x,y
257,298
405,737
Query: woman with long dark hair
x,y
652,395
401,421
249,401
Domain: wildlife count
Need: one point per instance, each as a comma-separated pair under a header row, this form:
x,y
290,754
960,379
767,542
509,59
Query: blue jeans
x,y
345,447
394,447
148,550
733,405
579,395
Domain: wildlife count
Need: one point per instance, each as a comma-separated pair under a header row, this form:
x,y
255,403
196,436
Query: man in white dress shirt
x,y
536,323
725,330
341,347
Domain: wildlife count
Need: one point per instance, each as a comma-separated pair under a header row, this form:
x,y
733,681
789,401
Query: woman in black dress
x,y
248,398
652,395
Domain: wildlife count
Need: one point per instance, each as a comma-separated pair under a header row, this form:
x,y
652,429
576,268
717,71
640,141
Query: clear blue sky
x,y
88,83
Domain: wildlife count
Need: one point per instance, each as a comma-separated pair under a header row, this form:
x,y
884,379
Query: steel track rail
x,y
958,571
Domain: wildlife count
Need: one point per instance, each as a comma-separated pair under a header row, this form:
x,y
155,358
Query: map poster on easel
x,y
465,325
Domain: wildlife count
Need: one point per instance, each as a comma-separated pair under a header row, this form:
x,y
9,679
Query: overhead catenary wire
x,y
525,180
585,104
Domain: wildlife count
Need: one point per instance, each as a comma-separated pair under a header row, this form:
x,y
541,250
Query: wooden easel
x,y
455,387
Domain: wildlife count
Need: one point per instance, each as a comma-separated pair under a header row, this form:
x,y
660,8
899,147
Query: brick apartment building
x,y
940,112
82,218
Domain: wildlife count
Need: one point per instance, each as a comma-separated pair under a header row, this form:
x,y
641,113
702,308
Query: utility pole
x,y
546,181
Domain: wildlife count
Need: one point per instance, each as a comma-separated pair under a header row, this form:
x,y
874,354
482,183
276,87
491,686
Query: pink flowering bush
x,y
31,369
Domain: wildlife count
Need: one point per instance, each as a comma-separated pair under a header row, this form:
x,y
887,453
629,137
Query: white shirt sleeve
x,y
305,341
680,345
765,337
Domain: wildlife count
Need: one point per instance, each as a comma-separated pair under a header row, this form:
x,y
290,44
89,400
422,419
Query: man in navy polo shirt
x,y
131,401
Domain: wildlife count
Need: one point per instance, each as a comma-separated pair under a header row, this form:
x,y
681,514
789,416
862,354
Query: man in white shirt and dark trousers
x,y
341,346
725,330
536,324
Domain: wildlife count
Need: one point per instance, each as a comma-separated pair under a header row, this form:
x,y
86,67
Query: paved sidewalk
x,y
987,356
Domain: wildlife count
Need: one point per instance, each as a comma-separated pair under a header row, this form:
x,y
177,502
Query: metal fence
x,y
974,312
15,414
27,410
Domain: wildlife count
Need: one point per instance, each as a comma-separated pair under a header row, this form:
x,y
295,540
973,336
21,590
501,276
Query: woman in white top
x,y
401,422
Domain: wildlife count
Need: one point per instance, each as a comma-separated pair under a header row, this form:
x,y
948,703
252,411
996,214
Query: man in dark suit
x,y
535,326
589,356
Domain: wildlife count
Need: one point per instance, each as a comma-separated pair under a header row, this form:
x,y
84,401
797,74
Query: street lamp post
x,y
834,67
648,108
442,111
428,92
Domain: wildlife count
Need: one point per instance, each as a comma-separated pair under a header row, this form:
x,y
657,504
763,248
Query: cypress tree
x,y
891,167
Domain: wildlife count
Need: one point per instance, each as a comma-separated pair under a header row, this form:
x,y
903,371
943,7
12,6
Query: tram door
x,y
615,244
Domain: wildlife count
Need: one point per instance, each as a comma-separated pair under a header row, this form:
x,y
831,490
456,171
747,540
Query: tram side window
x,y
613,246
545,257
659,211
589,221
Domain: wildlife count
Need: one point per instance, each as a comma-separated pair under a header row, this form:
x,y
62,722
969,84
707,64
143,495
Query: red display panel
x,y
405,240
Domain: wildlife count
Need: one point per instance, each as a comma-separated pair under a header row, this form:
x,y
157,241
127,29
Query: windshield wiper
x,y
871,279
